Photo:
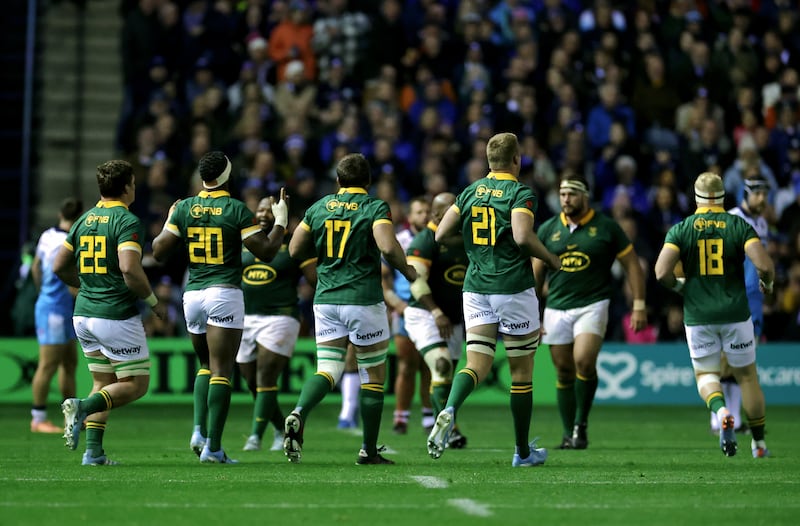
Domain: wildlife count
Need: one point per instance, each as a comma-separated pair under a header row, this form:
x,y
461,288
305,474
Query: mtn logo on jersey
x,y
574,261
701,224
259,274
482,190
455,274
199,210
334,205
92,218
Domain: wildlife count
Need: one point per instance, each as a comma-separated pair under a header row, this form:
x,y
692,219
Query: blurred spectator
x,y
291,40
169,294
338,33
295,95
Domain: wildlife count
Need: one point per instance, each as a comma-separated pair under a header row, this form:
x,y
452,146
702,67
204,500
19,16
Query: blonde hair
x,y
501,150
708,189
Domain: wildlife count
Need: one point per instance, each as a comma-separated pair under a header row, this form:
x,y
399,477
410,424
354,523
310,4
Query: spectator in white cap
x,y
295,95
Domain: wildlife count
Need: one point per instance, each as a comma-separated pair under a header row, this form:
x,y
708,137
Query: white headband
x,y
221,178
709,198
572,184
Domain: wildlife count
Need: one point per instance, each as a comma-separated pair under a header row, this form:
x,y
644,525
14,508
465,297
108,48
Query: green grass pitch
x,y
644,465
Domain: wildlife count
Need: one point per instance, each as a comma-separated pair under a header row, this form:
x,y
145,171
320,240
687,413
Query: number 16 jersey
x,y
348,259
711,243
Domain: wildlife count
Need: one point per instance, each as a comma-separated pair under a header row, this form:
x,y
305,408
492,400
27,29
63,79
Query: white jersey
x,y
54,293
759,223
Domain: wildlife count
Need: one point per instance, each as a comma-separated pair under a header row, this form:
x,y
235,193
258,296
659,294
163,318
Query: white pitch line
x,y
471,507
431,482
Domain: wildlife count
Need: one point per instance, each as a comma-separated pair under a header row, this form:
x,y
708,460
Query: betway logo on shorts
x,y
740,346
125,351
480,314
221,319
515,326
369,335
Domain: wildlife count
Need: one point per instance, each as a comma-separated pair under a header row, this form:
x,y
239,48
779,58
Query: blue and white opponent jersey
x,y
401,285
759,224
54,294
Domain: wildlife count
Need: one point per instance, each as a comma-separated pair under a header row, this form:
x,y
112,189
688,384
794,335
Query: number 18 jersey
x,y
348,259
213,226
496,265
711,243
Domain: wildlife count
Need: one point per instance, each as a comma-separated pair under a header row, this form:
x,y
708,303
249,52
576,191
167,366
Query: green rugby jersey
x,y
711,243
496,265
94,240
271,288
213,226
447,267
587,254
348,260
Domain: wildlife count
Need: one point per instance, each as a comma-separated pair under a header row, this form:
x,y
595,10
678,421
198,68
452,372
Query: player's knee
x,y
440,364
369,359
524,347
481,344
707,382
332,369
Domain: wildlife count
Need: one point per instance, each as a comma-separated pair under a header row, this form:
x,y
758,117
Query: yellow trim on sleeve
x,y
68,246
751,240
672,246
426,262
380,221
455,209
523,210
250,231
310,261
172,229
625,251
130,245
304,226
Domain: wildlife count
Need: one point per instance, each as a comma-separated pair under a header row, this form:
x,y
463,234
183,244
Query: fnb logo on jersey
x,y
483,190
334,205
259,274
574,261
92,218
701,224
199,210
455,274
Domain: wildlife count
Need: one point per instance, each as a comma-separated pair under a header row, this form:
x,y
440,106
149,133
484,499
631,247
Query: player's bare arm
x,y
633,270
65,269
528,241
447,233
668,258
391,250
763,263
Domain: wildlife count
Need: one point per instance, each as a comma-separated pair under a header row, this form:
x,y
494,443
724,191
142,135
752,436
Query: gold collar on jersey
x,y
710,210
213,194
111,204
352,190
582,221
501,176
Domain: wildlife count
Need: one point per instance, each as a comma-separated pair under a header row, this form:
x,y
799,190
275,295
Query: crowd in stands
x,y
640,96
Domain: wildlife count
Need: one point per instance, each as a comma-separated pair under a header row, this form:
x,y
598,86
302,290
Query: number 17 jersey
x,y
348,259
711,243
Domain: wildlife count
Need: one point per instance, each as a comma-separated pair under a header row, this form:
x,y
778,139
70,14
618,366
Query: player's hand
x,y
281,210
160,310
764,288
554,262
638,320
444,325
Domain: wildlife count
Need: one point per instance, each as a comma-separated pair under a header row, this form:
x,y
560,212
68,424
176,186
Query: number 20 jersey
x,y
94,240
213,226
496,265
348,260
711,243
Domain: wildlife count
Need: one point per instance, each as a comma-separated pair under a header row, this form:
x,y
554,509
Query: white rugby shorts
x,y
516,314
217,306
562,326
